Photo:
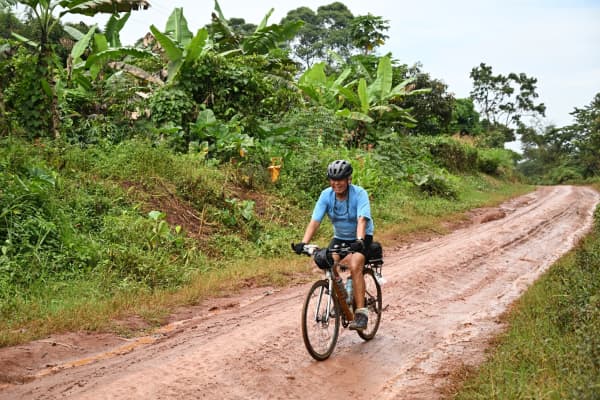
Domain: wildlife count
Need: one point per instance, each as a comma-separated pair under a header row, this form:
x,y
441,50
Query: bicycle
x,y
326,306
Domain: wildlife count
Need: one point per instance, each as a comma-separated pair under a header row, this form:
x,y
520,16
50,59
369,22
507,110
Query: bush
x,y
435,184
171,106
494,161
451,154
564,174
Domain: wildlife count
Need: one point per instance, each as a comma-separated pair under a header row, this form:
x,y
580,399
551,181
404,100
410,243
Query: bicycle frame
x,y
332,287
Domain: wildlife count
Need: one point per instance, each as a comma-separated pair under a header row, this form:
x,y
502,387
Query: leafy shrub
x,y
435,184
26,95
451,154
251,87
499,162
303,175
171,106
564,174
95,129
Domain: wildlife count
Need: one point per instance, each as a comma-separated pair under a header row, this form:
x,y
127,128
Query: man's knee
x,y
357,262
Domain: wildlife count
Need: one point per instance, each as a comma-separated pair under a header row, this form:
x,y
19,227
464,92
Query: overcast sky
x,y
555,41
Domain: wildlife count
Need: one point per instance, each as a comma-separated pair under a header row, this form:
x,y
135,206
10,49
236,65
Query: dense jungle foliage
x,y
138,169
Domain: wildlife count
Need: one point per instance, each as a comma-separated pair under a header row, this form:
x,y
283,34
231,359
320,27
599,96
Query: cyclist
x,y
349,210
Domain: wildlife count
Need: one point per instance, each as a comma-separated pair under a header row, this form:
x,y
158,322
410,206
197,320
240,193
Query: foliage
x,y
252,87
366,32
504,100
431,106
586,131
333,29
171,105
451,154
24,96
495,161
362,102
180,46
315,126
161,231
262,40
435,184
555,154
465,120
218,140
10,23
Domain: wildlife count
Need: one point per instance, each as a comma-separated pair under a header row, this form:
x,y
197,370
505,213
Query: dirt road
x,y
442,301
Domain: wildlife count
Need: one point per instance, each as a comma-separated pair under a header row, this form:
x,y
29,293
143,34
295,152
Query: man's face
x,y
339,186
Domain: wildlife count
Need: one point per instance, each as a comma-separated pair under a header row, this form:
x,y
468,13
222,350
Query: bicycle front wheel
x,y
373,303
320,321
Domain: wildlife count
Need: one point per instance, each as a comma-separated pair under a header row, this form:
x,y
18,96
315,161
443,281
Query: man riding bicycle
x,y
349,210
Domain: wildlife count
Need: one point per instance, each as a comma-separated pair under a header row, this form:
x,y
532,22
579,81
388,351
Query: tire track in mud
x,y
442,303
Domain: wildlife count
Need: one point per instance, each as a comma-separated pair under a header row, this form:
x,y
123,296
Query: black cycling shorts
x,y
365,251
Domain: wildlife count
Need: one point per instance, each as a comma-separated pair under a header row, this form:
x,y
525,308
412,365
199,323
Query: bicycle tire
x,y
318,333
373,302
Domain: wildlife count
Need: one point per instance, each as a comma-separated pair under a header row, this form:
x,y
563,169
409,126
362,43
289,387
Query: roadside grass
x,y
551,349
95,301
86,305
84,253
408,213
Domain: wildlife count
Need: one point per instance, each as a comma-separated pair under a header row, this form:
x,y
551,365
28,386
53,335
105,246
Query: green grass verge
x,y
552,348
80,249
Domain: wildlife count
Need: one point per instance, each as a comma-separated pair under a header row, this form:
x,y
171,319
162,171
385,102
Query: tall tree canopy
x,y
586,132
333,28
504,101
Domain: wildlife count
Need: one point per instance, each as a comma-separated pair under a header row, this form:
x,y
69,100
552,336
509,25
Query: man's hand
x,y
358,245
298,247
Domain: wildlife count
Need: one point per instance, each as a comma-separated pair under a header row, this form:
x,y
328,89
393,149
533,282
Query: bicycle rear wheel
x,y
320,321
373,303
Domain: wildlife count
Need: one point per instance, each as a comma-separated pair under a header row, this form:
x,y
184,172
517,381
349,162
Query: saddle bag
x,y
375,252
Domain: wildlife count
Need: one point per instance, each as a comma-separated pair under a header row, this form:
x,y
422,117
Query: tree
x,y
504,100
545,149
10,23
586,133
568,152
333,29
335,19
262,40
306,45
465,120
366,32
431,109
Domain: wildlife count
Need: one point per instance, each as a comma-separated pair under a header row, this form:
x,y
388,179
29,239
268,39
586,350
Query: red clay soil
x,y
442,304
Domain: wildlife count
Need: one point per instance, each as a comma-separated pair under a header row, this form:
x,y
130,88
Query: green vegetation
x,y
92,233
134,179
552,349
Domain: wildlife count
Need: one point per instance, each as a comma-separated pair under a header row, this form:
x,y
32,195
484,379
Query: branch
x,y
135,71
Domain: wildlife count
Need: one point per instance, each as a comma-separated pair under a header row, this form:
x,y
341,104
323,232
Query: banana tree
x,y
180,45
104,49
324,90
372,101
264,39
43,13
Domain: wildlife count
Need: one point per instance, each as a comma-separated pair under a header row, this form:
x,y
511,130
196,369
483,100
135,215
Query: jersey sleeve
x,y
321,207
363,205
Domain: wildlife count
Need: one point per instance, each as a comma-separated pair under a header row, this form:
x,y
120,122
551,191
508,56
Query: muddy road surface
x,y
442,303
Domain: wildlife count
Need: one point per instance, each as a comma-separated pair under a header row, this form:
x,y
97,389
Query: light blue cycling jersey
x,y
344,214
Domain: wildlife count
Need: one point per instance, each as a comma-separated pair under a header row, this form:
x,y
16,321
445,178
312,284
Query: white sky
x,y
555,41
